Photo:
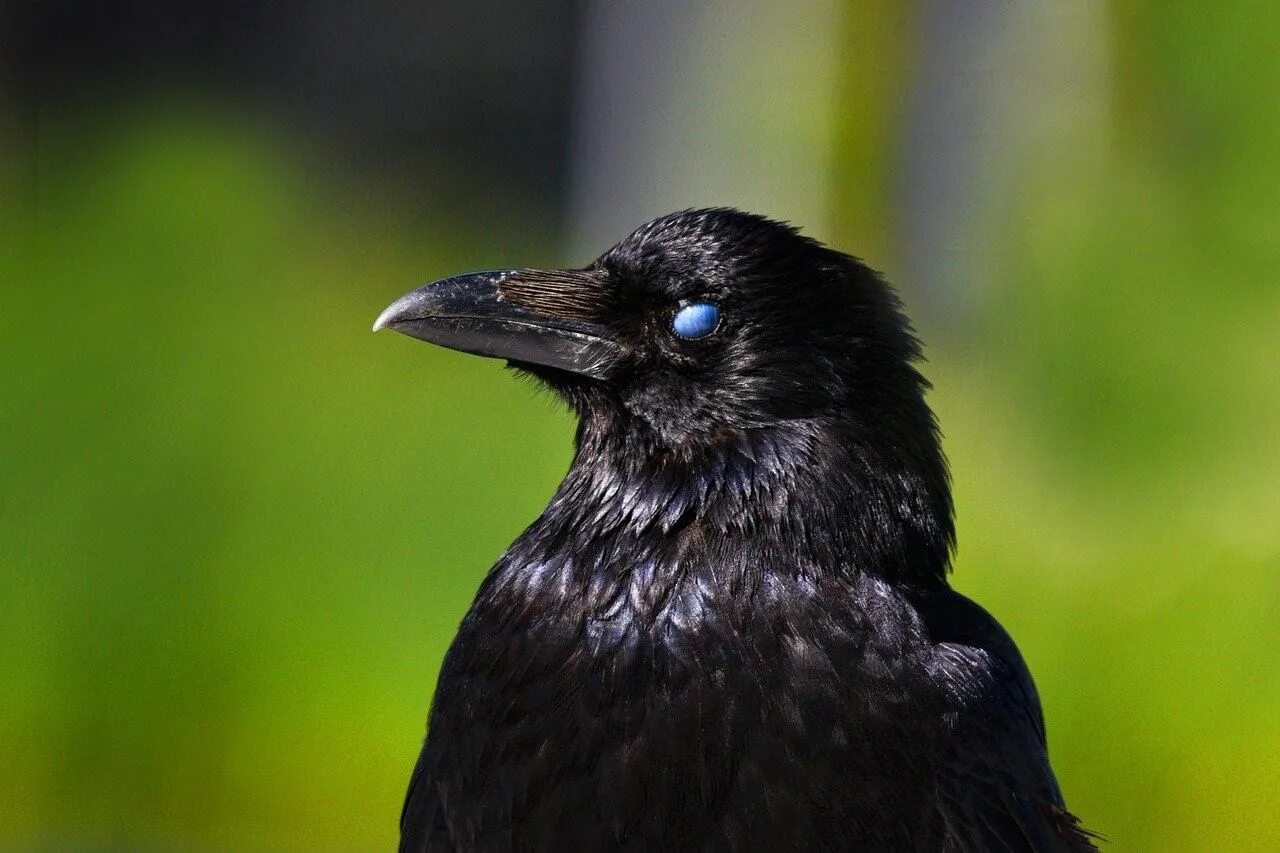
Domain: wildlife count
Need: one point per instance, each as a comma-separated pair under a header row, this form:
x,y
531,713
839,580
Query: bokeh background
x,y
239,530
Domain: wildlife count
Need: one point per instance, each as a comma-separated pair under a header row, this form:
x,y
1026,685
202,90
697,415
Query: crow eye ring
x,y
695,320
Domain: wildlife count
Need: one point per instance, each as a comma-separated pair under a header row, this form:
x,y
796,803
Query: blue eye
x,y
696,320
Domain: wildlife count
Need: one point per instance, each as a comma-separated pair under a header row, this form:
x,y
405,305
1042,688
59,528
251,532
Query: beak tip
x,y
386,318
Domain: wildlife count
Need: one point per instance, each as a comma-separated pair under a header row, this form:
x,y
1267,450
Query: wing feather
x,y
998,791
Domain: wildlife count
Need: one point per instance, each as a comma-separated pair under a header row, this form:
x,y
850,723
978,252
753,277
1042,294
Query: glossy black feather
x,y
731,627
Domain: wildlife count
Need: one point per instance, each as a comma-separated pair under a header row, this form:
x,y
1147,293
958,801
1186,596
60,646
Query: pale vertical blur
x,y
996,87
722,103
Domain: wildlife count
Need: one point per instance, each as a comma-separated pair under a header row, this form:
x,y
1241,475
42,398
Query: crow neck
x,y
814,496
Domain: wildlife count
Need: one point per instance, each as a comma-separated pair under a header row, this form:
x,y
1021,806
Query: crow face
x,y
700,324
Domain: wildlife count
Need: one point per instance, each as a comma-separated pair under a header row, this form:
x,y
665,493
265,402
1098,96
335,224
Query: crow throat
x,y
640,532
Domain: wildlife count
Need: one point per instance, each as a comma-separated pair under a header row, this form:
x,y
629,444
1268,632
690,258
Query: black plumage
x,y
731,628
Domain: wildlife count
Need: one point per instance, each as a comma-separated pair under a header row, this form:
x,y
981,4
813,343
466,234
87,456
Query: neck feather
x,y
815,497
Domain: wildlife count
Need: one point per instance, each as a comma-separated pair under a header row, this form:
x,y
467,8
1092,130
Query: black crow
x,y
731,627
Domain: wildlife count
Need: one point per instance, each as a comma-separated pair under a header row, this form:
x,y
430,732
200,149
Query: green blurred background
x,y
239,530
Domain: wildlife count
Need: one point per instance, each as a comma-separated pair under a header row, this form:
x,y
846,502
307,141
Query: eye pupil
x,y
696,320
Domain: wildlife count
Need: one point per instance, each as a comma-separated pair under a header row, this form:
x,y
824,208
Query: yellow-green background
x,y
238,530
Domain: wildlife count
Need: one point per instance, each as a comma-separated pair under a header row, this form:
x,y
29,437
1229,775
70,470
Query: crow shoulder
x,y
997,790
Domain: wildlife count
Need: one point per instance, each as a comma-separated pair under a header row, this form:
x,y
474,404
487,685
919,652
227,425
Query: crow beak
x,y
524,316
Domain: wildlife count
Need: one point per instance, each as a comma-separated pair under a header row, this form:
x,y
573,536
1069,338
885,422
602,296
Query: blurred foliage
x,y
1113,435
241,531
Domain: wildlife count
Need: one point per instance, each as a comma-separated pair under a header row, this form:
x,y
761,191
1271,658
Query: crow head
x,y
699,323
712,328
